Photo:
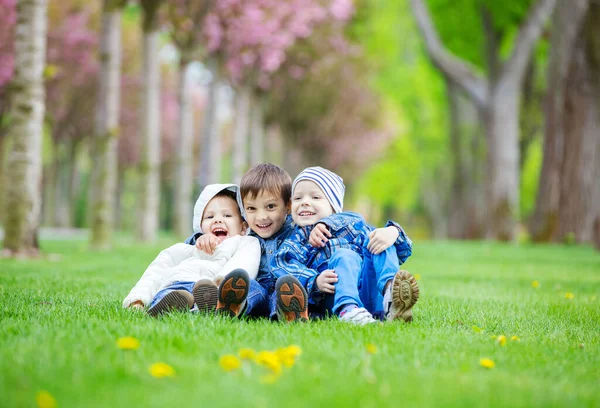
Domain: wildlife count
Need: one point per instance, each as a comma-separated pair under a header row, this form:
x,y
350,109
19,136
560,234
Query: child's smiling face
x,y
222,218
265,213
309,203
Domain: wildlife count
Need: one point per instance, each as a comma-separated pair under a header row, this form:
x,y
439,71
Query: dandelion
x,y
501,340
45,400
371,348
486,363
569,295
229,362
270,360
128,343
535,284
287,355
161,370
515,338
417,276
247,354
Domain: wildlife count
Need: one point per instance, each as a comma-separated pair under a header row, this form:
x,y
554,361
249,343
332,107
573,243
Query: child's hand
x,y
319,236
326,280
381,239
207,243
137,305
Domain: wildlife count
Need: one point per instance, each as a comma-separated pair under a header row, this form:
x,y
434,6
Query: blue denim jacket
x,y
349,230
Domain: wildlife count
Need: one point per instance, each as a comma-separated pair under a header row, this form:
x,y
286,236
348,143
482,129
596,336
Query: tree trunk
x,y
22,198
183,185
104,143
257,130
62,205
147,227
210,163
579,175
240,131
566,24
2,170
118,199
502,173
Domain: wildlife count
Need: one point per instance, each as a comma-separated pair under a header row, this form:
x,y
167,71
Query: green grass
x,y
60,319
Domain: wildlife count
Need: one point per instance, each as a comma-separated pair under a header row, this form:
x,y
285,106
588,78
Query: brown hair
x,y
266,177
229,194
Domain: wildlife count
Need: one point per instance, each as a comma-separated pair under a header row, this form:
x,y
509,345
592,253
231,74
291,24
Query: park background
x,y
473,123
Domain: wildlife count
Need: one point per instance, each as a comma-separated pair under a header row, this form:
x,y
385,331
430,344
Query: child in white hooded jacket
x,y
183,277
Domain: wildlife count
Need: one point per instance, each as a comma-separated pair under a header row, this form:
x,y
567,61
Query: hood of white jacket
x,y
205,196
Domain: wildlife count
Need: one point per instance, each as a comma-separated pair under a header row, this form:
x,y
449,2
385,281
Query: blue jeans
x,y
187,286
261,301
361,279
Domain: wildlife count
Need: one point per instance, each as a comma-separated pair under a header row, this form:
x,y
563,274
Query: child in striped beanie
x,y
347,267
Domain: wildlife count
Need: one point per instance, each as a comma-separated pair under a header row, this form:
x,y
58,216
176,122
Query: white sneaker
x,y
400,297
359,316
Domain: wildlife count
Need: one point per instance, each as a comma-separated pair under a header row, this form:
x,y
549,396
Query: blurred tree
x,y
149,197
106,134
497,96
186,22
567,31
23,193
8,18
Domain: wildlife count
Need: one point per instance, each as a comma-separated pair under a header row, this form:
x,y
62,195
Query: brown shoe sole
x,y
206,295
405,293
175,300
292,300
232,293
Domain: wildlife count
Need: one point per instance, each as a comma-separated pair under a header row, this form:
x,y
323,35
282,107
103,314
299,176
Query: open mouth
x,y
219,232
306,214
264,225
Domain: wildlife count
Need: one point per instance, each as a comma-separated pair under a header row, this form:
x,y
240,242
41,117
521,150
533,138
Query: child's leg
x,y
377,271
176,296
347,264
258,298
291,300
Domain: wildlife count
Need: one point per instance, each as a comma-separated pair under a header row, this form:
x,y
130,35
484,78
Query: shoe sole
x,y
405,293
232,293
172,301
206,295
292,300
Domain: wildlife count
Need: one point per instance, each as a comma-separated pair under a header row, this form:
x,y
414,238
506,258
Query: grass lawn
x,y
60,319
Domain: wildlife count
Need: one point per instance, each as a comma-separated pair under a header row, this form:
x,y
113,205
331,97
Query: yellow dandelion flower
x,y
535,284
293,350
270,360
515,338
371,348
501,340
417,276
247,354
161,370
269,378
486,363
128,343
569,295
45,400
229,362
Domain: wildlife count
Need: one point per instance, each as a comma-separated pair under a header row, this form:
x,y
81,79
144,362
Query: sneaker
x,y
176,300
358,315
292,300
232,293
400,297
206,295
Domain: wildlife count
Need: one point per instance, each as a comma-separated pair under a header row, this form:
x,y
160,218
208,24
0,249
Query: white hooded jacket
x,y
186,263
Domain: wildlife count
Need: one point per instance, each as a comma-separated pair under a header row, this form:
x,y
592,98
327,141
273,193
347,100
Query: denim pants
x,y
361,279
261,301
187,286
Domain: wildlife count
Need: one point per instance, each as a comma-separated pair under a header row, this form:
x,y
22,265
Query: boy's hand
x,y
326,280
381,239
208,243
137,305
319,236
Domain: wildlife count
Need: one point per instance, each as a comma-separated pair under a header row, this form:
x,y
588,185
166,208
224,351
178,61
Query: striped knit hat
x,y
331,184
